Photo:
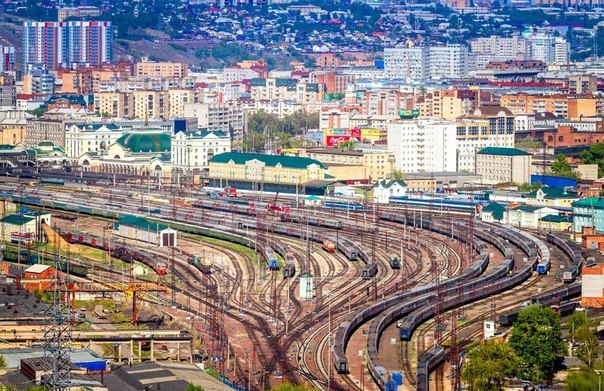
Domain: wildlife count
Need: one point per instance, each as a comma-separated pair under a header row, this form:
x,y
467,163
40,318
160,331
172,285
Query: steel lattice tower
x,y
57,336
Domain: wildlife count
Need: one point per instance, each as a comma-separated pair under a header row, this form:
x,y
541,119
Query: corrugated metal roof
x,y
37,268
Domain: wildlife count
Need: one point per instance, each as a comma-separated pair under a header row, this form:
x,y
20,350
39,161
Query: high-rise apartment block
x,y
429,62
423,144
7,61
54,45
406,63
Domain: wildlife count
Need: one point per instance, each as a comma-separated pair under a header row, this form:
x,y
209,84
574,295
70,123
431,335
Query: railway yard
x,y
273,291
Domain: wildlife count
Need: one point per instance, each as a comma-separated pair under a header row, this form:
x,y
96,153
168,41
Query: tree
x,y
489,364
194,387
2,361
347,145
529,142
587,345
594,155
537,340
398,175
577,320
585,380
561,167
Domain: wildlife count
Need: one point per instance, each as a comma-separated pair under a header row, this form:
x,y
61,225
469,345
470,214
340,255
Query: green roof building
x,y
492,212
552,196
503,165
140,228
250,167
588,213
146,142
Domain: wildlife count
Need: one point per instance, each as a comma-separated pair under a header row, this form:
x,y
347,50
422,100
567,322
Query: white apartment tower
x,y
423,145
406,63
450,61
429,62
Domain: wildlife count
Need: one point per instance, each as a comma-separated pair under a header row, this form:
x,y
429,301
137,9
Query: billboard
x,y
408,113
332,141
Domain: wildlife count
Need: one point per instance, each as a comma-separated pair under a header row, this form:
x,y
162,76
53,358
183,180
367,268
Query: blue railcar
x,y
343,205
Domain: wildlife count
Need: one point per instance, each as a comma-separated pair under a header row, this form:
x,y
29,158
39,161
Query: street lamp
x,y
599,372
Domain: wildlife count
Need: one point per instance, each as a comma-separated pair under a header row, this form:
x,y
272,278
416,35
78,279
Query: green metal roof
x,y
46,144
553,193
496,209
257,82
387,184
269,160
502,151
590,202
528,209
204,133
146,142
73,99
140,222
17,219
557,219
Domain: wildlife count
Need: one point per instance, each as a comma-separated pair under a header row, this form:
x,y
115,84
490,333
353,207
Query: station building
x,y
285,174
139,228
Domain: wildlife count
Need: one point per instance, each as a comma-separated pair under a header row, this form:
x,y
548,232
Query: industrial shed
x,y
139,228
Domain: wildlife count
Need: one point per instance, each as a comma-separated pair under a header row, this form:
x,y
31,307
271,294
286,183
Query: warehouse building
x,y
592,286
139,228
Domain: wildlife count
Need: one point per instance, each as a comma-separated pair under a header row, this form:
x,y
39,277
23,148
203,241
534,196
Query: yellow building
x,y
150,104
286,89
250,167
162,69
550,196
113,104
354,165
177,100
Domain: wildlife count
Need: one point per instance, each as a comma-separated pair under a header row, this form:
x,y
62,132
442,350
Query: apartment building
x,y
503,165
336,117
488,126
582,84
364,164
408,63
448,62
286,89
8,91
112,104
423,144
150,104
385,102
161,69
429,62
227,117
53,45
7,61
178,98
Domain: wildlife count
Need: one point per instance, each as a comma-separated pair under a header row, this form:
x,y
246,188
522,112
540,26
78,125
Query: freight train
x,y
126,253
572,250
422,308
550,298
